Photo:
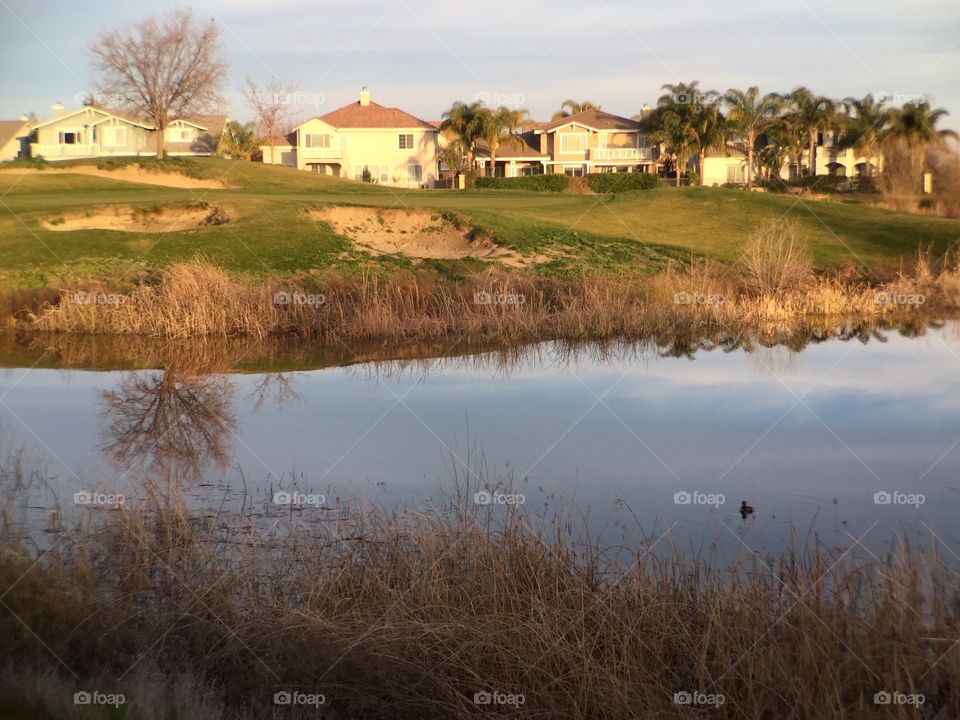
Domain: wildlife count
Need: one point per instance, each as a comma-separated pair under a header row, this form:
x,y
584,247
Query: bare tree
x,y
271,107
162,69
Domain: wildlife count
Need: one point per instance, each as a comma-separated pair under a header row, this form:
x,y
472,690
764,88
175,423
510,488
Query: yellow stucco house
x,y
595,141
392,146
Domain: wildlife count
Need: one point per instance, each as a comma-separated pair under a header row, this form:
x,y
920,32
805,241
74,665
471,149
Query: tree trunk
x,y
701,159
676,169
160,134
750,142
812,150
493,161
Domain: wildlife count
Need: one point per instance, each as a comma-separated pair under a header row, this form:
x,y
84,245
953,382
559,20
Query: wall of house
x,y
282,155
374,147
10,150
716,170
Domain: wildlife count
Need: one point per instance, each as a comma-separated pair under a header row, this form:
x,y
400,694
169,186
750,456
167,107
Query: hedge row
x,y
538,183
621,182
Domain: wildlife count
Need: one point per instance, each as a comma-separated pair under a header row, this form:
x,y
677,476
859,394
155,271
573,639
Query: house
x,y
595,141
194,135
729,165
95,132
90,132
13,139
282,151
366,141
516,156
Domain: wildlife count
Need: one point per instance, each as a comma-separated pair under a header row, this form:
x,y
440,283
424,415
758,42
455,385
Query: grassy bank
x,y
400,614
270,233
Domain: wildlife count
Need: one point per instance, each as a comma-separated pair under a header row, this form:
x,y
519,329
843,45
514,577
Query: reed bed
x,y
403,614
199,299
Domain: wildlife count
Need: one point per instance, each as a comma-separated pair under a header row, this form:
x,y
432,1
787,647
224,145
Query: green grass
x,y
633,232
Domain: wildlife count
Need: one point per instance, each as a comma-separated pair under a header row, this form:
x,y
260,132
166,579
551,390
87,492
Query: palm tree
x,y
813,112
468,121
672,121
751,115
572,107
707,131
914,126
867,121
500,125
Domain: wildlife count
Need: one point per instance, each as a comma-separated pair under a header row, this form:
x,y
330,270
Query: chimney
x,y
57,109
364,97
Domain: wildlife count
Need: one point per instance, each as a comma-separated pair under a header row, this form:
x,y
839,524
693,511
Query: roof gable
x,y
594,120
10,129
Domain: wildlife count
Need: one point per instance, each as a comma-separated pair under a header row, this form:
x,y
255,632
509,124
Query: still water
x,y
846,439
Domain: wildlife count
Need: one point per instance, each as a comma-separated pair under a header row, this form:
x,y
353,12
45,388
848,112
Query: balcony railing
x,y
611,154
314,153
59,151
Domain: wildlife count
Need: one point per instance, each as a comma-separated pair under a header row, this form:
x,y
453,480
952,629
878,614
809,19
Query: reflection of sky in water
x,y
806,438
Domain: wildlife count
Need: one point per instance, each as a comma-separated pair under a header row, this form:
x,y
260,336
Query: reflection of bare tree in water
x,y
168,424
274,386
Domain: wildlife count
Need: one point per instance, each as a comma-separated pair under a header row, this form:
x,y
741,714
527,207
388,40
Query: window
x,y
69,138
573,170
115,136
405,141
530,170
414,173
735,174
317,140
573,143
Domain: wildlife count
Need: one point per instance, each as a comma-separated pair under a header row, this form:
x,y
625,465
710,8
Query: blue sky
x,y
422,55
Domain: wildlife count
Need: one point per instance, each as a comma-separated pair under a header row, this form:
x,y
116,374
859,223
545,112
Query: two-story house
x,y
365,141
595,141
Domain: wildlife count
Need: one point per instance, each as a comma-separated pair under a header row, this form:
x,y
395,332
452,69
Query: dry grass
x,y
408,614
774,286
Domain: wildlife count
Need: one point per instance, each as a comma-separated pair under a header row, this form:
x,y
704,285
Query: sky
x,y
421,55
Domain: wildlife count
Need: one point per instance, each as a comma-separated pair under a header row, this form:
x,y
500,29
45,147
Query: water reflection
x,y
169,424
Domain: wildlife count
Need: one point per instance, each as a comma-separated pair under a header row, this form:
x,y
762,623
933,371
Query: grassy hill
x,y
269,232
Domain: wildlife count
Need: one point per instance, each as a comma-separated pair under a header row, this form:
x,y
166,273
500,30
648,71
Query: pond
x,y
854,437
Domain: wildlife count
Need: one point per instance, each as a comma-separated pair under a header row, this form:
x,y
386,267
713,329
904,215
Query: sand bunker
x,y
128,219
414,233
128,173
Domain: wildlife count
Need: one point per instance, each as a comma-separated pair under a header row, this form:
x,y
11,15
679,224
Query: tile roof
x,y
373,115
10,129
596,119
289,140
